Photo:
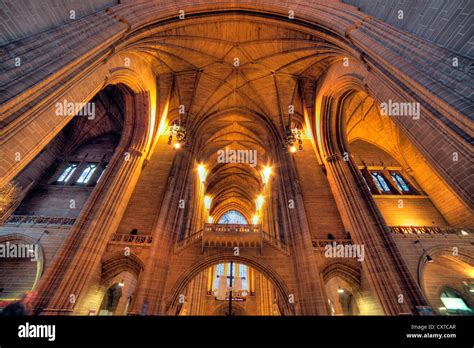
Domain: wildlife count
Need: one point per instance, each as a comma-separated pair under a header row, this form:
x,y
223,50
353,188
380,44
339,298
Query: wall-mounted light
x,y
294,138
121,284
178,133
428,256
259,202
207,202
202,173
464,233
266,174
255,219
340,290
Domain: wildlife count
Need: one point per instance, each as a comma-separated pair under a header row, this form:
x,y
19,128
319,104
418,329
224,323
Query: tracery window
x,y
223,270
87,173
233,217
380,181
400,182
67,172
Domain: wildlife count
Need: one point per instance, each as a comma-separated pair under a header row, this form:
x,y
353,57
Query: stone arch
x,y
347,181
251,261
119,263
16,237
446,272
348,272
116,185
442,250
235,307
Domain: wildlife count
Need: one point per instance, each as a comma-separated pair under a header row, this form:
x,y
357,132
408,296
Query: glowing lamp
x,y
207,202
202,173
255,219
293,149
259,202
177,146
266,174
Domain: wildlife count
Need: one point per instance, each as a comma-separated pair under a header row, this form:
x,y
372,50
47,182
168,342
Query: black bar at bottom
x,y
316,331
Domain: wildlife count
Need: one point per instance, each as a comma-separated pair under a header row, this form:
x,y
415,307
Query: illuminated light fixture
x,y
210,219
121,284
202,172
428,256
442,308
179,133
207,202
464,233
340,290
255,219
259,202
266,174
294,137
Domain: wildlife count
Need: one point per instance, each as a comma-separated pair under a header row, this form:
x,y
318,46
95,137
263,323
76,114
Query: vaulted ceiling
x,y
236,76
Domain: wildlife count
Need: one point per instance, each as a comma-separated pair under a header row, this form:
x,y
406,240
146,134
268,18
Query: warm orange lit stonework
x,y
283,147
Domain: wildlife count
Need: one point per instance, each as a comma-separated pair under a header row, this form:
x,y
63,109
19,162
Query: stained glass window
x,y
87,173
67,172
380,181
219,273
233,217
400,182
243,271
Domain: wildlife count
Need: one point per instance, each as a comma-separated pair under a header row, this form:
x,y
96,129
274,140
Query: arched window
x,y
233,217
243,274
238,270
380,182
67,172
219,273
87,173
400,182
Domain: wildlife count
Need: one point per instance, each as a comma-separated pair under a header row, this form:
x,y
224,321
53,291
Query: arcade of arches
x,y
168,156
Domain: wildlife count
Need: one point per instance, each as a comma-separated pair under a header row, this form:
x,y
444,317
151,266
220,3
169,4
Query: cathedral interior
x,y
218,157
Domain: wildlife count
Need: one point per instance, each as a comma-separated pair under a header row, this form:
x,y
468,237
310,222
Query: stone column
x,y
384,267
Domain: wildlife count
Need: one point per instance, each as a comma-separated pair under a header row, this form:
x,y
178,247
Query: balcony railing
x,y
134,239
191,239
321,243
429,230
40,220
230,235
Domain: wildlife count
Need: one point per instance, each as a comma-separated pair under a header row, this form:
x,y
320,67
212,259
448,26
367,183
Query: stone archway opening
x,y
210,292
447,282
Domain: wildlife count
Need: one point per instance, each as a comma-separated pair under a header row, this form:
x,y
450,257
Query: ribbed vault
x,y
232,80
